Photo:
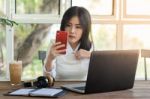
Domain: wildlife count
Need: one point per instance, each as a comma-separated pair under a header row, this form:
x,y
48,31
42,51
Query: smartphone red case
x,y
61,36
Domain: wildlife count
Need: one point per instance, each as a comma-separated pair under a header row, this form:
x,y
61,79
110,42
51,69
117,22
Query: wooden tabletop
x,y
141,90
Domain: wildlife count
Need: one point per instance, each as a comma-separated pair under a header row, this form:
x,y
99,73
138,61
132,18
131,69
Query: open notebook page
x,y
45,92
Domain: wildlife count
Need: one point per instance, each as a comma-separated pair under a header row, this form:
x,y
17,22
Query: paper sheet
x,y
21,92
46,92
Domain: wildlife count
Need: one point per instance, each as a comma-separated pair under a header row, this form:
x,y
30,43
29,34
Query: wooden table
x,y
141,90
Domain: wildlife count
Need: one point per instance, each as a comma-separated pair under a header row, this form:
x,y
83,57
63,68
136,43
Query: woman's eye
x,y
68,25
78,26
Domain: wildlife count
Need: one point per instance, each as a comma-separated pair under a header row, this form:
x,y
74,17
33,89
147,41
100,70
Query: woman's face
x,y
74,29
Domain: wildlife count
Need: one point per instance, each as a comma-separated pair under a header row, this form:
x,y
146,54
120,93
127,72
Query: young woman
x,y
74,64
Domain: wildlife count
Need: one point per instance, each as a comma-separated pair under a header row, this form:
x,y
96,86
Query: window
x,y
104,36
37,7
96,7
2,7
2,43
29,39
138,7
38,11
136,36
2,52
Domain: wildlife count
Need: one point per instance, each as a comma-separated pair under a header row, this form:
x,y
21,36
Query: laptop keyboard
x,y
80,88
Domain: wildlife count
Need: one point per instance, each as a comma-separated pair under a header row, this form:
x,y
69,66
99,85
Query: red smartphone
x,y
61,36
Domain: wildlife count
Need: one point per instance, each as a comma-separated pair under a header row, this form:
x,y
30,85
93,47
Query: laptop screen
x,y
111,70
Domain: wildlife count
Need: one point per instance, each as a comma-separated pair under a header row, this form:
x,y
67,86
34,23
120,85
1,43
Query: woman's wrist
x,y
48,65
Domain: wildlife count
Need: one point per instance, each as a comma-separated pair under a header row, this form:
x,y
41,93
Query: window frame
x,y
38,18
127,16
112,16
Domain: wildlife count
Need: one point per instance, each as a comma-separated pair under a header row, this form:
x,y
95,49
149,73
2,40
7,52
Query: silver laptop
x,y
111,70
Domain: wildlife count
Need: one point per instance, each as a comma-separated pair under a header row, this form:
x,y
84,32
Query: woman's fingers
x,y
82,54
59,46
61,51
56,49
77,55
56,44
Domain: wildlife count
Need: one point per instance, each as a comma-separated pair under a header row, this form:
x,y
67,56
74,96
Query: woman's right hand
x,y
55,50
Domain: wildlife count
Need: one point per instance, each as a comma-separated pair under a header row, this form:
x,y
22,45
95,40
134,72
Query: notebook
x,y
110,70
35,92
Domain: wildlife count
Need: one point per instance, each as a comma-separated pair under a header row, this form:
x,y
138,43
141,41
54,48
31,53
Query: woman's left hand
x,y
82,54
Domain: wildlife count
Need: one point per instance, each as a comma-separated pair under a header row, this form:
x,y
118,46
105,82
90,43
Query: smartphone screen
x,y
61,36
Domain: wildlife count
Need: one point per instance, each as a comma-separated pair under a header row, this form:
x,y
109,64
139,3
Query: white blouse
x,y
67,67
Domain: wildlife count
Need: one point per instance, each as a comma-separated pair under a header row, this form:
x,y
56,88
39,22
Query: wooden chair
x,y
42,56
145,54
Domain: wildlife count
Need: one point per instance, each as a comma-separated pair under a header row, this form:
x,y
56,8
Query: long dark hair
x,y
85,21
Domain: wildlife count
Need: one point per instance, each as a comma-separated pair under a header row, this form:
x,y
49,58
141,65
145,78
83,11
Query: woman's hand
x,y
55,50
82,54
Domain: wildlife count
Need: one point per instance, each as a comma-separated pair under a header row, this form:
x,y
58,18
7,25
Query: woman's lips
x,y
71,36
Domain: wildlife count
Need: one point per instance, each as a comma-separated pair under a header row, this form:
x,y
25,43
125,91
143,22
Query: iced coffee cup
x,y
15,70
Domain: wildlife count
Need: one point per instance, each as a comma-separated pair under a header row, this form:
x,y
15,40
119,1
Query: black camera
x,y
40,82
